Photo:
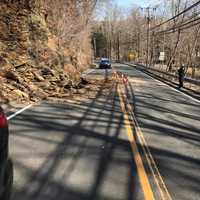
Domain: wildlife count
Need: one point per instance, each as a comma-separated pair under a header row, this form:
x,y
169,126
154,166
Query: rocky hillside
x,y
34,64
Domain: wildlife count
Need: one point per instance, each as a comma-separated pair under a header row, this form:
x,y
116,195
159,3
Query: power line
x,y
184,11
185,28
181,26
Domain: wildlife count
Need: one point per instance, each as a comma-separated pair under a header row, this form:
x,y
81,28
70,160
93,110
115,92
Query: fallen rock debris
x,y
33,84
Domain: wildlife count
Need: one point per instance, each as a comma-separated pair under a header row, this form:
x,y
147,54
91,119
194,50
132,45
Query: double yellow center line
x,y
132,132
138,160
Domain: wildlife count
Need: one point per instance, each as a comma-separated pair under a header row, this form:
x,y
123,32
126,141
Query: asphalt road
x,y
84,150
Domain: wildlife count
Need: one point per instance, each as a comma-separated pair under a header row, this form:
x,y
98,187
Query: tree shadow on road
x,y
170,127
73,151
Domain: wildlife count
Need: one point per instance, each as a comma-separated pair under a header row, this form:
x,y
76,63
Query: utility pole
x,y
163,50
118,46
149,18
152,58
148,36
173,8
138,46
110,47
95,47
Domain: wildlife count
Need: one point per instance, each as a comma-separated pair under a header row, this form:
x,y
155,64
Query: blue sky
x,y
127,3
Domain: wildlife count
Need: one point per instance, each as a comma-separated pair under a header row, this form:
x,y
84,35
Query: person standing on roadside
x,y
181,74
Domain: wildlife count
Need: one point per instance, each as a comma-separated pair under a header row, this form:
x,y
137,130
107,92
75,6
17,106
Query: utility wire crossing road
x,y
136,139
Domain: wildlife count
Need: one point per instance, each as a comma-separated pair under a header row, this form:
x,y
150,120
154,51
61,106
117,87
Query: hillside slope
x,y
34,63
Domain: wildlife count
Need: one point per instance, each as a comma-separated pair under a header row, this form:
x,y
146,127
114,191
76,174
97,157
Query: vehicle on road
x,y
6,167
105,63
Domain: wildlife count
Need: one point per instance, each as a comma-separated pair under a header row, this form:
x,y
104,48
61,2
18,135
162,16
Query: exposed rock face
x,y
21,30
29,54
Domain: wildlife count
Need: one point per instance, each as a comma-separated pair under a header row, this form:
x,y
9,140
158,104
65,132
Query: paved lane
x,y
80,150
170,122
76,151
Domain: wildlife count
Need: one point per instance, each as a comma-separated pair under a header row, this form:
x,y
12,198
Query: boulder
x,y
20,94
13,76
32,87
39,94
38,77
47,71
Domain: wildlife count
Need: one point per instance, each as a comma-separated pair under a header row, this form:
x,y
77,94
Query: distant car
x,y
105,63
6,167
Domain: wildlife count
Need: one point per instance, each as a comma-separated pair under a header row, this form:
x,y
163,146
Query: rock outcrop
x,y
32,67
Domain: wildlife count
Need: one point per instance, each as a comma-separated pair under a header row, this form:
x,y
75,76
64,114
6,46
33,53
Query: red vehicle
x,y
6,167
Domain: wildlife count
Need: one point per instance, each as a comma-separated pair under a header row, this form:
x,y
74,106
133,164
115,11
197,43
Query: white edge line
x,y
196,100
19,111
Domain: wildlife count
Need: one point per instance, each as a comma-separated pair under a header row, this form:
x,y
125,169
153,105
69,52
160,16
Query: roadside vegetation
x,y
142,35
44,47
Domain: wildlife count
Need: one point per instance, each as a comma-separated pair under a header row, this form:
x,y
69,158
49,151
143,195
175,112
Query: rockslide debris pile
x,y
28,84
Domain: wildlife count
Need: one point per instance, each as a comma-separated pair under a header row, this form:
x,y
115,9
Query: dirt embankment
x,y
32,64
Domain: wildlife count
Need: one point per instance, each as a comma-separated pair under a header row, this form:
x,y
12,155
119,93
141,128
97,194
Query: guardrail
x,y
187,79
